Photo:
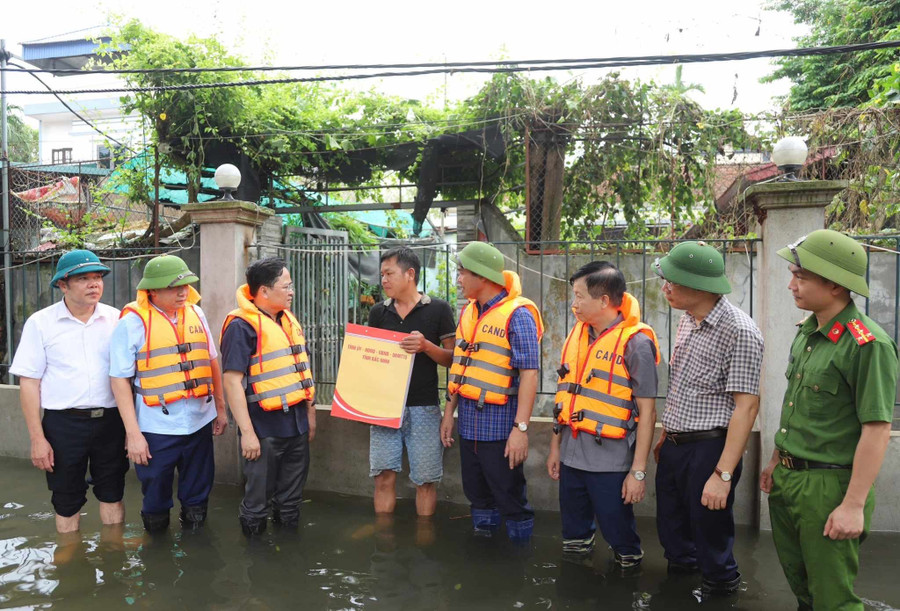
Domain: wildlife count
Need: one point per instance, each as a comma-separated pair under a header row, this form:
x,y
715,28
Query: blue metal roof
x,y
64,54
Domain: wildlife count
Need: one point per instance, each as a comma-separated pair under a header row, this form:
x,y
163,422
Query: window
x,y
62,156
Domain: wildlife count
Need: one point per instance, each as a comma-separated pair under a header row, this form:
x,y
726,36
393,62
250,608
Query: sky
x,y
395,31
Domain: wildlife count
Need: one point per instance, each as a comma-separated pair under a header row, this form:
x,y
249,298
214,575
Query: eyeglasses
x,y
285,287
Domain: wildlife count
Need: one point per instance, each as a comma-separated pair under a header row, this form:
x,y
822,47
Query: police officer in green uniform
x,y
835,424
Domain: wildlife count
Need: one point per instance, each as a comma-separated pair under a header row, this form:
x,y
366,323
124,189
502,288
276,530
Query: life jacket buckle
x,y
589,377
464,345
563,370
577,416
191,384
186,365
557,428
557,410
473,348
598,439
184,348
575,389
296,349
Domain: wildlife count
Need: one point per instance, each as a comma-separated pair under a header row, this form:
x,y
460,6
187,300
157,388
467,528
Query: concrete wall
x,y
340,463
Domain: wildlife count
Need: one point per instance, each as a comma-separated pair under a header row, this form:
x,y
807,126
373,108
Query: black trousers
x,y
489,483
689,532
80,443
275,480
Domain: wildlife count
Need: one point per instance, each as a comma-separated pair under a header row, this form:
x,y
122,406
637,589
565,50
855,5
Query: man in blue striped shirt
x,y
493,381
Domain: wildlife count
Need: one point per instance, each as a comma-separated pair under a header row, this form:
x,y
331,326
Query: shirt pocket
x,y
819,391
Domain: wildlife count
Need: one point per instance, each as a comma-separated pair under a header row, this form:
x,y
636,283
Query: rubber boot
x,y
155,522
192,518
579,547
720,588
252,526
519,531
282,520
485,521
628,563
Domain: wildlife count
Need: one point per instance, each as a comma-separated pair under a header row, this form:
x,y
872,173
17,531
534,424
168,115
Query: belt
x,y
692,436
97,412
798,464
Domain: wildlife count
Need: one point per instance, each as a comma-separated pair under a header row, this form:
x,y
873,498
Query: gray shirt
x,y
614,455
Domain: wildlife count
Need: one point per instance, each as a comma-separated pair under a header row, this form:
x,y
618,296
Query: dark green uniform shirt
x,y
834,386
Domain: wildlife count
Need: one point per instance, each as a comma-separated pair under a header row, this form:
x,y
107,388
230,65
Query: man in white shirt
x,y
63,367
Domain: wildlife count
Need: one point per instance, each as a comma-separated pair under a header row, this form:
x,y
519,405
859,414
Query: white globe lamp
x,y
789,156
227,178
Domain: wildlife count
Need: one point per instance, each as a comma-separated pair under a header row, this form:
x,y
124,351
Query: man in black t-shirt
x,y
432,328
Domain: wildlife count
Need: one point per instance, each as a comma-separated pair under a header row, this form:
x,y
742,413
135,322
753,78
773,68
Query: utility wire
x,y
462,66
493,68
74,112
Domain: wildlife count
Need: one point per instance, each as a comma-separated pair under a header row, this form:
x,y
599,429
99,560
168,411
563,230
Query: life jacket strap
x,y
176,349
162,390
177,367
277,373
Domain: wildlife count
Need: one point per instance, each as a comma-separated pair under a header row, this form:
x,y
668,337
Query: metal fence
x,y
31,272
61,201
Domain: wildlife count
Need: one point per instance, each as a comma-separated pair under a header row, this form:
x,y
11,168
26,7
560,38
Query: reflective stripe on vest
x,y
174,362
594,393
279,371
481,369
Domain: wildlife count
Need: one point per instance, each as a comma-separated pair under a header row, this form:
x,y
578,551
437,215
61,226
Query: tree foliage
x,y
23,139
844,80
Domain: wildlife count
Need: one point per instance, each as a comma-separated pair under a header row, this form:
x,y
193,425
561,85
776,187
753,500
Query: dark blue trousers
x,y
192,455
585,496
689,532
489,483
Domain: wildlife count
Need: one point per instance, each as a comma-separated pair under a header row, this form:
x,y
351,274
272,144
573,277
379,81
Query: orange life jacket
x,y
481,358
594,393
279,374
174,362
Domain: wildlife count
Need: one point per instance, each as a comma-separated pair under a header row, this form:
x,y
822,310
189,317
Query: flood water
x,y
342,558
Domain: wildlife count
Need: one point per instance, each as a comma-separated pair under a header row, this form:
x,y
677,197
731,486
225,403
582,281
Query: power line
x,y
484,68
615,61
74,112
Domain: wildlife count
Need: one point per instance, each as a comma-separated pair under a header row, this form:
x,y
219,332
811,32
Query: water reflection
x,y
343,557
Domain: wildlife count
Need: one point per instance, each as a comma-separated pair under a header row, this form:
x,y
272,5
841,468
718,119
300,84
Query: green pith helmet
x,y
166,271
695,265
832,255
75,263
483,259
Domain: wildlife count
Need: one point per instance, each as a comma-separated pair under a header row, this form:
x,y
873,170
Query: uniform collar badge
x,y
834,334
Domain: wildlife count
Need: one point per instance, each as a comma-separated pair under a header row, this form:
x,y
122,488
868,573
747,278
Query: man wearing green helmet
x,y
165,373
835,424
711,404
62,362
493,380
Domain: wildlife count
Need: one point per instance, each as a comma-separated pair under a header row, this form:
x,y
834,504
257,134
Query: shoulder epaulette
x,y
859,332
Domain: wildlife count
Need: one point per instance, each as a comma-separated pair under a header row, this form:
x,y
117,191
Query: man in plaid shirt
x,y
493,380
711,405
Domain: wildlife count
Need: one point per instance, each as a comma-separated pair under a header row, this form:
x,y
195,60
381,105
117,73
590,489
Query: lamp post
x,y
789,156
227,178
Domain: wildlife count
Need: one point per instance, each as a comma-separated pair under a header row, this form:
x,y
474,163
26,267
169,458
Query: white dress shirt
x,y
69,357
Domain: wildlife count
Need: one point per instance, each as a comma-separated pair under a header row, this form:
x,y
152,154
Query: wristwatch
x,y
639,475
522,426
725,475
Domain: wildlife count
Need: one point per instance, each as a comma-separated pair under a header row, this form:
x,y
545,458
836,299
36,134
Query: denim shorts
x,y
421,434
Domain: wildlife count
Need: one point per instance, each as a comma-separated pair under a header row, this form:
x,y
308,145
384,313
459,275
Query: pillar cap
x,y
240,212
800,194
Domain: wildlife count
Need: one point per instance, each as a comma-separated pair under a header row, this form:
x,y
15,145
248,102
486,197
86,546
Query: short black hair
x,y
406,258
264,273
602,278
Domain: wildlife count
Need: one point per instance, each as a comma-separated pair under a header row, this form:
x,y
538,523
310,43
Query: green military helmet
x,y
75,263
832,255
696,265
166,271
483,259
